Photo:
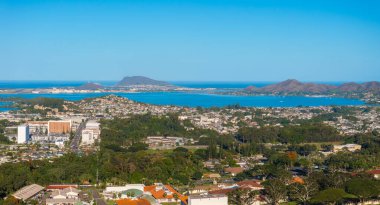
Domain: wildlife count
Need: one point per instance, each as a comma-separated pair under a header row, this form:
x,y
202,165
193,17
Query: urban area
x,y
111,150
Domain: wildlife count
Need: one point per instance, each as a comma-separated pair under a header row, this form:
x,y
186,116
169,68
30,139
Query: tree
x,y
363,188
242,197
303,192
175,196
330,196
197,175
275,191
12,201
292,156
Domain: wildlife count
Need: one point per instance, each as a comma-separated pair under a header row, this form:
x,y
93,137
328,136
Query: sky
x,y
190,40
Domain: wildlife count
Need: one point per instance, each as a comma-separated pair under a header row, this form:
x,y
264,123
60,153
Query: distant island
x,y
295,87
140,81
367,91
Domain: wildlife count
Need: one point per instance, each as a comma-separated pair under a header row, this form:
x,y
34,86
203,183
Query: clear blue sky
x,y
199,40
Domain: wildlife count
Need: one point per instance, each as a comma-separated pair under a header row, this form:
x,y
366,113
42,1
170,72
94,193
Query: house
x,y
375,173
67,193
208,200
164,193
203,189
348,147
298,180
29,192
211,176
233,170
250,184
223,191
210,164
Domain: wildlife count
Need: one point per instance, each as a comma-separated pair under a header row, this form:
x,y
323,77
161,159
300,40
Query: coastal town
x,y
189,102
41,132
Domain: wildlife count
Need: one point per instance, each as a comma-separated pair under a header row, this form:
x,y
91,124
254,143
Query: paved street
x,y
77,137
98,200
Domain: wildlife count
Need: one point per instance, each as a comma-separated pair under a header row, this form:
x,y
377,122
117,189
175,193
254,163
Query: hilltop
x,y
292,87
90,86
140,80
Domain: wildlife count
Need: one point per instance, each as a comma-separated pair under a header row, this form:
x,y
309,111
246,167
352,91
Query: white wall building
x,y
91,133
38,127
164,141
22,134
110,191
348,147
117,189
208,200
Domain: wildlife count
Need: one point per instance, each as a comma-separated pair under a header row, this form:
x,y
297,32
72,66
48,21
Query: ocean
x,y
182,98
189,84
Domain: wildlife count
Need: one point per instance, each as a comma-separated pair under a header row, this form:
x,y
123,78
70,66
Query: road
x,y
98,200
77,137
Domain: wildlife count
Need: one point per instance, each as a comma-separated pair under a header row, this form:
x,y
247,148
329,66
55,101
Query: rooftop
x,y
207,196
28,191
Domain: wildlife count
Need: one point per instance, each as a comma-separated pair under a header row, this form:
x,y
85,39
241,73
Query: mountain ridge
x,y
292,86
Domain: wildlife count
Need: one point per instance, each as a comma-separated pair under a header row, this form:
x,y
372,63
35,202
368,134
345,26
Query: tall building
x,y
38,127
59,127
91,133
22,134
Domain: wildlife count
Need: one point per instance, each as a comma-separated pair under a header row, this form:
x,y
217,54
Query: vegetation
x,y
292,134
45,102
125,132
3,125
125,158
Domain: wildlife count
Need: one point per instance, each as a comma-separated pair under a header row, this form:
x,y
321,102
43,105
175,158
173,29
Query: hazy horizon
x,y
183,81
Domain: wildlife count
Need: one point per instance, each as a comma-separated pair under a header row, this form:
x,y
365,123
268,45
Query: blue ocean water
x,y
47,84
2,109
206,100
189,84
220,85
181,98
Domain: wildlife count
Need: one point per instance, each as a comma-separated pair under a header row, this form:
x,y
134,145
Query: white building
x,y
38,127
60,143
208,200
22,134
92,124
117,189
164,141
113,191
91,133
348,147
67,193
66,196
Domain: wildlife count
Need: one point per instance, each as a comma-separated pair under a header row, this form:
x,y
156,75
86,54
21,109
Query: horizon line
x,y
204,81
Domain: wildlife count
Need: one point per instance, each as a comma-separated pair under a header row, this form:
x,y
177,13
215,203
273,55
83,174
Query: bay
x,y
206,100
